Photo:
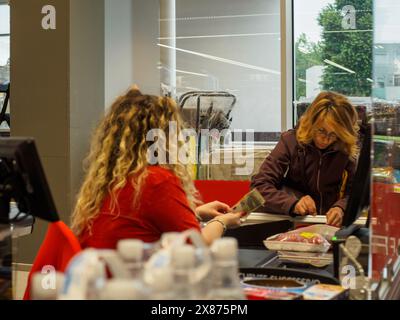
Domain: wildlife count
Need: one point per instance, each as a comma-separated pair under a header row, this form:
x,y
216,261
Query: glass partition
x,y
222,60
386,161
4,42
4,60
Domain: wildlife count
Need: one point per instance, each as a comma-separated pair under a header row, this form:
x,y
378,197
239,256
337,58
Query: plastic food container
x,y
308,239
295,246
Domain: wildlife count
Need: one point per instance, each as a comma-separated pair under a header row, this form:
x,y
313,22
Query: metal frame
x,y
287,65
5,88
198,95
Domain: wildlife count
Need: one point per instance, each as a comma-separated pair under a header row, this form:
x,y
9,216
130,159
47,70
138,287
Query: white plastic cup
x,y
120,289
225,249
46,286
130,249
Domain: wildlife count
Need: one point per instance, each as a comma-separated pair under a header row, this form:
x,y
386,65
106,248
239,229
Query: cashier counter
x,y
257,260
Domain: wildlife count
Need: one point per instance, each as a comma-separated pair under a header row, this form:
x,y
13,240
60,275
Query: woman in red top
x,y
133,190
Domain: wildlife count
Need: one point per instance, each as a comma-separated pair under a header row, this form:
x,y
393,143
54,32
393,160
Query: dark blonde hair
x,y
336,110
119,151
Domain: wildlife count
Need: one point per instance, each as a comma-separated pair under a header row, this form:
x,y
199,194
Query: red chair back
x,y
229,192
59,246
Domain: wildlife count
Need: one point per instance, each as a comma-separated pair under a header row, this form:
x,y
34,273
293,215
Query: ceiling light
x,y
224,60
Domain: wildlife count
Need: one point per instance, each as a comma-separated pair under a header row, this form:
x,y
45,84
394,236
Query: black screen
x,y
360,189
22,180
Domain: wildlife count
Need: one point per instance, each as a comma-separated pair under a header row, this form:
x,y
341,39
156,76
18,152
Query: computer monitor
x,y
22,180
360,190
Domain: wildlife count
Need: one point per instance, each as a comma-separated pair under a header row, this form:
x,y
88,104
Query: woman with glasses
x,y
310,170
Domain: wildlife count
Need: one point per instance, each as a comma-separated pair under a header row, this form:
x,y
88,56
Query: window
x,y
333,48
386,140
381,82
4,54
4,43
396,80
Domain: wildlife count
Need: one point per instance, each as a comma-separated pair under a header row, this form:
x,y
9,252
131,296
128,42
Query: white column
x,y
168,39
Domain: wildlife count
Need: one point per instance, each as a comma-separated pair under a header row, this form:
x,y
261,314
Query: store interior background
x,y
62,80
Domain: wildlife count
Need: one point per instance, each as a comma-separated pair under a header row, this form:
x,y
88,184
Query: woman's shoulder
x,y
289,134
289,138
157,175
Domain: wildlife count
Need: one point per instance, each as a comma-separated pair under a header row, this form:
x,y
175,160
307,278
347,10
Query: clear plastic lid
x,y
162,279
168,238
120,289
183,256
130,249
225,249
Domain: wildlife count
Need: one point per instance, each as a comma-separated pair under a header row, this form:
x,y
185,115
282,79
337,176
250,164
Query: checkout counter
x,y
256,261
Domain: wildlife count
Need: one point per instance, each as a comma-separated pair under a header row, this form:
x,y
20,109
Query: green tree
x,y
308,54
349,48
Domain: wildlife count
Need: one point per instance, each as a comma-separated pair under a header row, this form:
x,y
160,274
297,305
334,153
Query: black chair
x,y
5,88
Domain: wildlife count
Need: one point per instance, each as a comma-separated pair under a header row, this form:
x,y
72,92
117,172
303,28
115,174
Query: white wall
x,y
119,54
257,85
86,81
146,30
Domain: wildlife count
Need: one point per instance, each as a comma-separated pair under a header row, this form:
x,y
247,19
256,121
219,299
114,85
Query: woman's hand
x,y
216,227
231,220
211,210
305,206
334,217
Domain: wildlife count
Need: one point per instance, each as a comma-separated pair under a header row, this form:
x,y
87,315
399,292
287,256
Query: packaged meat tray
x,y
298,241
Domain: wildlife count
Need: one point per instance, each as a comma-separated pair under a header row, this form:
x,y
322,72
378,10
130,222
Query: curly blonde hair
x,y
339,113
119,154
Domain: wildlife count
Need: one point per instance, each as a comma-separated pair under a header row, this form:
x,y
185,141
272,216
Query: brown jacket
x,y
293,170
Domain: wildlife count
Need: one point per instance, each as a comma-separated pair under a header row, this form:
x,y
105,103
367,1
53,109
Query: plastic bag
x,y
328,232
298,240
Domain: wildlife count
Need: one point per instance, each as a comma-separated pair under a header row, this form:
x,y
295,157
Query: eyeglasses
x,y
324,134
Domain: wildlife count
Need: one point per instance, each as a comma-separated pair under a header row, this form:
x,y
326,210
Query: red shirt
x,y
162,207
